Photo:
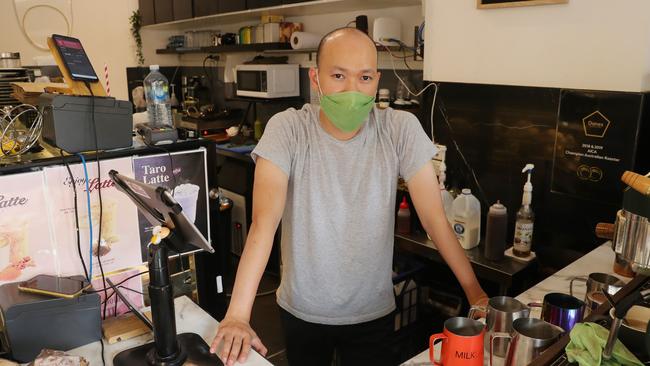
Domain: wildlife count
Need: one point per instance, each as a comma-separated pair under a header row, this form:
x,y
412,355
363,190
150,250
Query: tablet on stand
x,y
173,230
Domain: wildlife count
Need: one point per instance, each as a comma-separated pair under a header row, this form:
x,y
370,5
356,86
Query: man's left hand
x,y
479,306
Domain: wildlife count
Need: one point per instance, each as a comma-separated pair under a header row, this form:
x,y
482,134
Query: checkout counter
x,y
189,318
205,267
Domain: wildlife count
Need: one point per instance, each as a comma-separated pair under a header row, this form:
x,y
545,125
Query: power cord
x,y
188,279
209,74
90,221
117,284
76,214
101,208
400,79
171,161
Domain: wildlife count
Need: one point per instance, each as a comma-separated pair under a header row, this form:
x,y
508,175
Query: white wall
x,y
585,44
102,26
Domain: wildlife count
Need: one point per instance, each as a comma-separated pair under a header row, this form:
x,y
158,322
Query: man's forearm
x,y
456,259
251,267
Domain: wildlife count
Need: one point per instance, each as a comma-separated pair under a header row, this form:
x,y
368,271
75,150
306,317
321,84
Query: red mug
x,y
462,343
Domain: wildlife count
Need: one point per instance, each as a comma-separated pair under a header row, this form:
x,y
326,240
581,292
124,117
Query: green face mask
x,y
347,110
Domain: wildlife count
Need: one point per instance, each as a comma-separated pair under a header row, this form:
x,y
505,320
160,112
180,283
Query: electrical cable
x,y
101,205
117,284
123,287
90,221
171,162
187,279
404,59
402,81
99,192
483,197
433,109
209,74
76,214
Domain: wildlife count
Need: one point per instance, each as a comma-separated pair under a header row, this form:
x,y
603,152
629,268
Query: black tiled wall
x,y
499,129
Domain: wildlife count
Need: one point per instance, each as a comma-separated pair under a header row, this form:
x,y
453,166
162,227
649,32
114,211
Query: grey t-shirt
x,y
338,222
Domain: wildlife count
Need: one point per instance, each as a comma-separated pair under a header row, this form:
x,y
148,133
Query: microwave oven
x,y
268,80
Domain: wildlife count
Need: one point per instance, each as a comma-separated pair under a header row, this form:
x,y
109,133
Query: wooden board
x,y
124,327
77,87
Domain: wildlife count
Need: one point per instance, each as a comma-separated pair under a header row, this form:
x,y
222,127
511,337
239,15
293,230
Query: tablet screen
x,y
75,58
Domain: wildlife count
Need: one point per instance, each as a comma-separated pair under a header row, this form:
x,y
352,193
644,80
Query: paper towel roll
x,y
302,40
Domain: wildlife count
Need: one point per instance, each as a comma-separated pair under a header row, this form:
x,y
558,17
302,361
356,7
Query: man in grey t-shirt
x,y
330,174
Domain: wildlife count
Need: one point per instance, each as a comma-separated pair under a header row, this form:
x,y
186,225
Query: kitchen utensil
x,y
500,311
632,229
619,313
596,284
462,343
531,337
633,329
637,182
561,309
9,60
605,230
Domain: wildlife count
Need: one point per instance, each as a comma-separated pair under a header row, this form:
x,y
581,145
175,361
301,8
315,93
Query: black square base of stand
x,y
198,353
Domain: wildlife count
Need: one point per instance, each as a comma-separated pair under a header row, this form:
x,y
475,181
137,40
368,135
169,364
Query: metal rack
x,y
8,76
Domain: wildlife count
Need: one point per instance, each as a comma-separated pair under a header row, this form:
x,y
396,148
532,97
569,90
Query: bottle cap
x,y
466,191
404,204
498,208
154,67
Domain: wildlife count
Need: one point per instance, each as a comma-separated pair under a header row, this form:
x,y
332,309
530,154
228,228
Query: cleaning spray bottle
x,y
525,219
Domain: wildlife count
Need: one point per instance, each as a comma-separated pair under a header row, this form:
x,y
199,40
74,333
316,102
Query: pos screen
x,y
74,58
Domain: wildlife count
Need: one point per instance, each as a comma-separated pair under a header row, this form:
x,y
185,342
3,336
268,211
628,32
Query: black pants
x,y
312,344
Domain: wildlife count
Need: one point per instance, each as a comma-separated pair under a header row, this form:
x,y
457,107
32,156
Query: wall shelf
x,y
254,47
287,10
269,48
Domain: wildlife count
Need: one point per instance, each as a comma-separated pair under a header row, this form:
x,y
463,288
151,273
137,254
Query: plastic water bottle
x,y
156,91
467,219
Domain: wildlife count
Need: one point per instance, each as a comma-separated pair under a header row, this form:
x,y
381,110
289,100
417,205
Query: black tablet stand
x,y
168,348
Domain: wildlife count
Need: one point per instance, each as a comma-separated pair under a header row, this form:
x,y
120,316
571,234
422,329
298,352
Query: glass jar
x,y
383,99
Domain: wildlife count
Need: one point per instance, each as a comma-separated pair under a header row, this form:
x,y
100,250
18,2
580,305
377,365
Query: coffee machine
x,y
631,240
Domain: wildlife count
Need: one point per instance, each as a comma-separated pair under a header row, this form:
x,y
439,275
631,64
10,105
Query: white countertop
x,y
600,259
189,318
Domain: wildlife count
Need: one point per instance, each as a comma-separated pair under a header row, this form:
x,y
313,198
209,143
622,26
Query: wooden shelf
x,y
271,48
254,47
265,100
287,10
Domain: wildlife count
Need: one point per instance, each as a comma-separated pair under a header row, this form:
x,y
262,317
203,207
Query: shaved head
x,y
345,33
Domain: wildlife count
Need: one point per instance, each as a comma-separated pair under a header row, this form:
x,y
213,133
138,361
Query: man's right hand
x,y
237,337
